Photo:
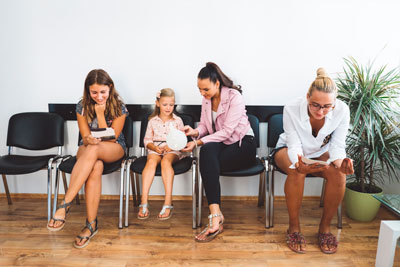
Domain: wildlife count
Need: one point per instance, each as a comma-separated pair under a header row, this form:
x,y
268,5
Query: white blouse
x,y
297,135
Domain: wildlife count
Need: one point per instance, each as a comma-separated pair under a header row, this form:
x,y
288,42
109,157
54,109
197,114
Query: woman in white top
x,y
314,128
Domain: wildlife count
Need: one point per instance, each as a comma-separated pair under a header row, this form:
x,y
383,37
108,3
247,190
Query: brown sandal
x,y
213,235
293,239
327,240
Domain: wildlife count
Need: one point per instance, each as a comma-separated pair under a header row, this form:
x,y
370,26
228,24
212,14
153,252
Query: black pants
x,y
216,157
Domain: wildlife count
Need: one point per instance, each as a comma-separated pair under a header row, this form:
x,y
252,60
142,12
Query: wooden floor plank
x,y
25,240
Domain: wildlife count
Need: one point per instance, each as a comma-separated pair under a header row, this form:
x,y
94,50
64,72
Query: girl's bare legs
x,y
167,174
147,178
87,157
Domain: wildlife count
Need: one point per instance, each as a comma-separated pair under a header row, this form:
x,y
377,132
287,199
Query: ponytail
x,y
214,73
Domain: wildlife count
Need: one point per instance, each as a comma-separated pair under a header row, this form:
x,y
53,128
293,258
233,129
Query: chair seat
x,y
180,166
256,168
18,164
69,164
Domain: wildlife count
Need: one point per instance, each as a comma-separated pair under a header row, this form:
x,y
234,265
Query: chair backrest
x,y
275,128
186,118
255,125
35,130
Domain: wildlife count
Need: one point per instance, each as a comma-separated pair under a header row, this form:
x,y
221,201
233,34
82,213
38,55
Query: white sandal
x,y
145,209
211,236
163,210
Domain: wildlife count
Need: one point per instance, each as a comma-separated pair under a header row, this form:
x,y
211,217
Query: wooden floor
x,y
24,239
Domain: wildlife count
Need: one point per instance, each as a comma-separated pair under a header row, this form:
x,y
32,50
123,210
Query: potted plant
x,y
373,141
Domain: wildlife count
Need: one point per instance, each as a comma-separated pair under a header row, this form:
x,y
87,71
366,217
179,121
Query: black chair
x,y
275,128
32,131
258,168
68,164
182,166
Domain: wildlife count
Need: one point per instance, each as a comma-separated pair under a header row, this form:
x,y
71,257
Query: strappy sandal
x,y
293,239
163,210
65,206
327,240
145,209
92,234
211,236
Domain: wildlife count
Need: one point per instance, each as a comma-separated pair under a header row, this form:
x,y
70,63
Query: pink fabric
x,y
231,122
157,130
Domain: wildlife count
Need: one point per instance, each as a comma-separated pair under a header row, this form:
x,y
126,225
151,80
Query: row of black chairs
x,y
39,131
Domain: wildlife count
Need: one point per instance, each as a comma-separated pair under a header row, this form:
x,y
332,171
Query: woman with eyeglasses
x,y
314,128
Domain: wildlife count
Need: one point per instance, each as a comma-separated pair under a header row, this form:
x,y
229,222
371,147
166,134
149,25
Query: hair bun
x,y
321,73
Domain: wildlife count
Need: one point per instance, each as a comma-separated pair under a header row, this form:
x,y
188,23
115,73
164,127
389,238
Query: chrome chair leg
x,y
6,189
127,193
267,200
194,212
121,194
339,217
49,189
261,188
321,201
56,188
200,200
272,195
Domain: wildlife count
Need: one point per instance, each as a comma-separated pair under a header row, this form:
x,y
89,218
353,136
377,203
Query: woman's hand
x,y
189,146
189,131
99,109
90,140
345,165
309,168
167,149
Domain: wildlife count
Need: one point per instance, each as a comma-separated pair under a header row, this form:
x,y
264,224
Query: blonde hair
x,y
163,92
322,83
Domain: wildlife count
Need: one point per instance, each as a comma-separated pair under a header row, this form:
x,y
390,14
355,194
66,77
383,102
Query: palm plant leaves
x,y
374,137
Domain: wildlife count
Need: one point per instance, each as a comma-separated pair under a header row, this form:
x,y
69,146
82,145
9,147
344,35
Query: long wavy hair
x,y
214,73
114,102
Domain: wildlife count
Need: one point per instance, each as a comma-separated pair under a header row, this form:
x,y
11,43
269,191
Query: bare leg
x,y
334,192
167,174
87,156
294,188
147,178
93,192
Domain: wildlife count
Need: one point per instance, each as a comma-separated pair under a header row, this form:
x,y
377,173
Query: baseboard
x,y
158,197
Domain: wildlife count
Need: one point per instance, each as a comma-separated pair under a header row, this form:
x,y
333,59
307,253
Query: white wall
x,y
271,48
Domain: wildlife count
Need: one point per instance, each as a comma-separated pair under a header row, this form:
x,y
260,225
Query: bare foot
x,y
216,224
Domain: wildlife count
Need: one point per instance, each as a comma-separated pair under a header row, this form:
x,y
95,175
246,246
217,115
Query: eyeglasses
x,y
316,107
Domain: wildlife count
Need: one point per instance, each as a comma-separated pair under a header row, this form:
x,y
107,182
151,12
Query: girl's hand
x,y
90,140
306,168
189,131
189,146
167,149
100,109
159,150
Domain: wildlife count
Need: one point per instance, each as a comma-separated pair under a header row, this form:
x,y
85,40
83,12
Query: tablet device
x,y
103,133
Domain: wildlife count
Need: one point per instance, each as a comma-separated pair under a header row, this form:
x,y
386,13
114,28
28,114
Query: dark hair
x,y
214,73
113,104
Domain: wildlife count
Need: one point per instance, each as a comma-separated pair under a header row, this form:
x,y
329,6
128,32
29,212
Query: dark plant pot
x,y
361,206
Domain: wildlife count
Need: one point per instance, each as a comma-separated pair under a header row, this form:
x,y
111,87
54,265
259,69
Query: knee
x,y
92,150
151,163
166,164
336,178
295,178
208,149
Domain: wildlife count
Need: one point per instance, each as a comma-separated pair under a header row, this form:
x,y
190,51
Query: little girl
x,y
155,141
